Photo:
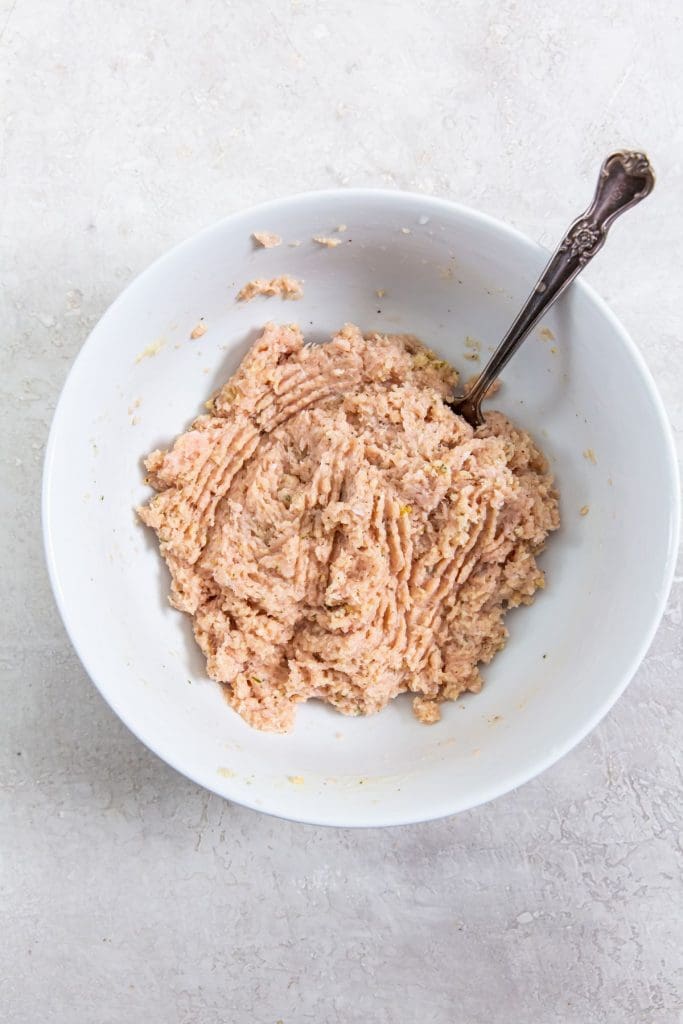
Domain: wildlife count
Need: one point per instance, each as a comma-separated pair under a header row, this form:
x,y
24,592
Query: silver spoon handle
x,y
625,178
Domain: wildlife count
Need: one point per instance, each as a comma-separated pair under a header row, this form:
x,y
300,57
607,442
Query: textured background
x,y
127,893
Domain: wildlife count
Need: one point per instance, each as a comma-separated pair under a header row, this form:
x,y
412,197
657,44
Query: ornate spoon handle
x,y
625,178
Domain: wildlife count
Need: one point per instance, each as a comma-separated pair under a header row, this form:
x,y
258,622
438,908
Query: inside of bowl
x,y
405,264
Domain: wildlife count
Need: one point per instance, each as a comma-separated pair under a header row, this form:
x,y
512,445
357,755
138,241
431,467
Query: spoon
x,y
625,179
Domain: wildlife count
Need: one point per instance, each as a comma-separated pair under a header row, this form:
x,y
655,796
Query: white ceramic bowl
x,y
447,272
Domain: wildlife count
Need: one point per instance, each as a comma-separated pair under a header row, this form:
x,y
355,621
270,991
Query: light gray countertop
x,y
127,893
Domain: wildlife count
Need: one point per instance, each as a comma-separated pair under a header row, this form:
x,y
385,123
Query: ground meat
x,y
199,330
426,711
285,286
336,532
330,243
267,239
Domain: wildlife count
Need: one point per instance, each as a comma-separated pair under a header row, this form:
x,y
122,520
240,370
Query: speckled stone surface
x,y
127,893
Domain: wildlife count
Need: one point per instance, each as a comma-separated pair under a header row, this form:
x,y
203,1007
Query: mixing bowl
x,y
407,263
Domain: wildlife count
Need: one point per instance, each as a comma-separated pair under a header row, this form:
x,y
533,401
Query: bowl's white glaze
x,y
447,272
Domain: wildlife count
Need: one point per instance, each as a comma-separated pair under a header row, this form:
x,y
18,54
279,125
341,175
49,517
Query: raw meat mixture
x,y
336,532
285,286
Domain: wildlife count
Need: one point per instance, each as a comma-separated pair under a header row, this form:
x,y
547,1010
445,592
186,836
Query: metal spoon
x,y
625,179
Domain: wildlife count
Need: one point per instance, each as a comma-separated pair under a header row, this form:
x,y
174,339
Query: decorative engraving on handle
x,y
583,239
625,178
635,164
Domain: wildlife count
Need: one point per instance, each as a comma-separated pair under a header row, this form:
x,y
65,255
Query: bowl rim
x,y
435,205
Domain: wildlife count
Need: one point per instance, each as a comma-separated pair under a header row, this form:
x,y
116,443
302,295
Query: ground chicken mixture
x,y
285,286
267,239
336,532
